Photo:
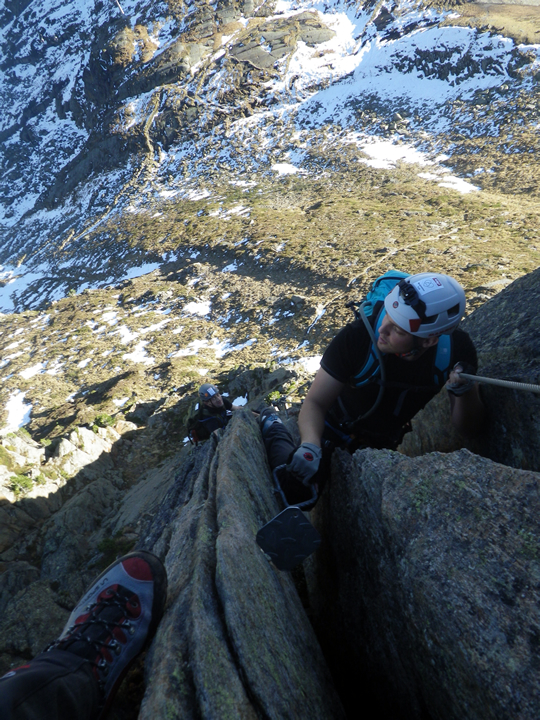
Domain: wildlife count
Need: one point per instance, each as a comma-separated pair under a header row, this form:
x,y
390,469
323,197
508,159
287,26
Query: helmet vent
x,y
453,311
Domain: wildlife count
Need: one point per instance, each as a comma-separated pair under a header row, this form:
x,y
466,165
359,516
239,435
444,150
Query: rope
x,y
501,383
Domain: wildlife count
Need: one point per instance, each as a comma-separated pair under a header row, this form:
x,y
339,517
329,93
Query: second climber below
x,y
372,382
212,412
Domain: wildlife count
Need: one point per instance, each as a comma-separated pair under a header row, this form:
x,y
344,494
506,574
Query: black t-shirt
x,y
346,356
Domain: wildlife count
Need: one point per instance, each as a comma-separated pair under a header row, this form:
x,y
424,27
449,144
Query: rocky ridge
x,y
434,541
244,647
235,639
425,584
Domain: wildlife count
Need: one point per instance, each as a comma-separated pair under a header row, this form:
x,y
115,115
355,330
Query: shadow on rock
x,y
506,332
426,588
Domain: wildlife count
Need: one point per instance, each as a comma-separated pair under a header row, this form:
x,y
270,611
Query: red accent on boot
x,y
138,568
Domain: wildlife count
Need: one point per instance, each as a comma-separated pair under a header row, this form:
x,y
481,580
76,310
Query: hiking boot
x,y
268,417
116,618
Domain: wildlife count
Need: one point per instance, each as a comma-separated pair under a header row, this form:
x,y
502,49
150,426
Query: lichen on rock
x,y
235,641
427,591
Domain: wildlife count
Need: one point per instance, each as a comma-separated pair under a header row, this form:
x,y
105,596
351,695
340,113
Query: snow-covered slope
x,y
108,107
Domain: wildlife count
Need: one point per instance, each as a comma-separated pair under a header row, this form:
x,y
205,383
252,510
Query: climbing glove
x,y
460,387
305,462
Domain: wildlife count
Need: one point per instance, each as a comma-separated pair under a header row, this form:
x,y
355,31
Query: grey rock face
x,y
235,640
25,628
14,579
428,586
512,434
13,520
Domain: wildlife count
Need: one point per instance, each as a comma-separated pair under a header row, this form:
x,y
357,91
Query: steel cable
x,y
501,383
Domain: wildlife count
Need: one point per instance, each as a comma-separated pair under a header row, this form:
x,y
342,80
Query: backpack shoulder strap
x,y
371,368
443,359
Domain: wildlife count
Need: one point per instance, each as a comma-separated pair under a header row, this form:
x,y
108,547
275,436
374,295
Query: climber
x,y
211,412
366,391
77,676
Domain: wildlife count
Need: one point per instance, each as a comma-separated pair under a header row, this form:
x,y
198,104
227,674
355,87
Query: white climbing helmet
x,y
427,304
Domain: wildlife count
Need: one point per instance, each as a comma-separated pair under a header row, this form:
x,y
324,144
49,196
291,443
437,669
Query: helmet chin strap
x,y
413,353
416,350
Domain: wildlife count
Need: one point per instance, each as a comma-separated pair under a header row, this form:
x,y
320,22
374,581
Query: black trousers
x,y
56,685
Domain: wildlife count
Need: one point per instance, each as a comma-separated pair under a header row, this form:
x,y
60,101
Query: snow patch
x,y
126,335
311,364
286,169
34,370
18,412
201,308
139,354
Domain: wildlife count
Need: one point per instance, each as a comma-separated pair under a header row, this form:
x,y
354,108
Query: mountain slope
x,y
201,189
112,109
